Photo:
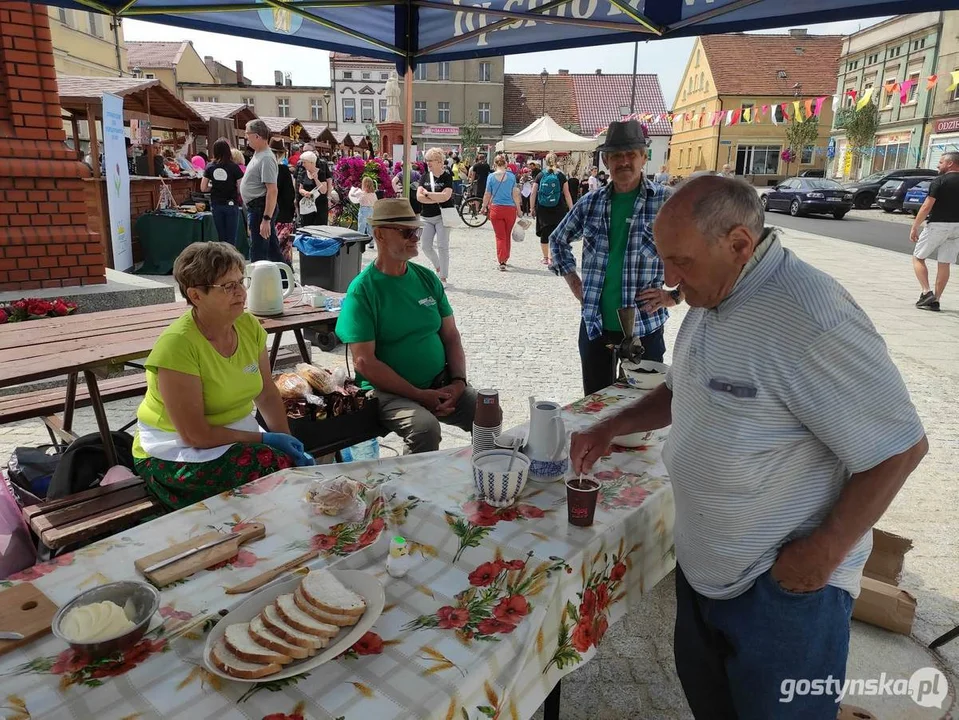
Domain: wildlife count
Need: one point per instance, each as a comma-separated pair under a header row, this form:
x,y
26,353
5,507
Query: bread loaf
x,y
320,379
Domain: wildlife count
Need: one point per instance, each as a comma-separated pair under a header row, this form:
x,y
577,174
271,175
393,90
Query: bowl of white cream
x,y
108,618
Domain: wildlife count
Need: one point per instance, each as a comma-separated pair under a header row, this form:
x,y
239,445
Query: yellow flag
x,y
747,112
955,80
864,100
797,114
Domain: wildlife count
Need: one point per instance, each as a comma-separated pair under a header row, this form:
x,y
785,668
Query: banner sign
x,y
117,174
947,125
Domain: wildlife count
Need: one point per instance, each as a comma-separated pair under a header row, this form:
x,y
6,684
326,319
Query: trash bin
x,y
330,257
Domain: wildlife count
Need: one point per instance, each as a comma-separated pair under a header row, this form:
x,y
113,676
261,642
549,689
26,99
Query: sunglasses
x,y
408,233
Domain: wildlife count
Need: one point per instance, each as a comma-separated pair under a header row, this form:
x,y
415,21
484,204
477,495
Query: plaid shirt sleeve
x,y
570,229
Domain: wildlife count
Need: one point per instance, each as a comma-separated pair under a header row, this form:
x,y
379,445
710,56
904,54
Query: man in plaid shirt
x,y
620,265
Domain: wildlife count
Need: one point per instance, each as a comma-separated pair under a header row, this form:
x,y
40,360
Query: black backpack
x,y
84,463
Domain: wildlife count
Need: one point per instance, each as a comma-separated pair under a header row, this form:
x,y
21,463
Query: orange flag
x,y
890,87
809,108
931,81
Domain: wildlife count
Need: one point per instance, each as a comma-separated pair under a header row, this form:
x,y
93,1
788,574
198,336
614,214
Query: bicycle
x,y
469,206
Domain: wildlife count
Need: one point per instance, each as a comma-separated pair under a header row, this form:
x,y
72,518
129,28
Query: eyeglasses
x,y
230,287
408,233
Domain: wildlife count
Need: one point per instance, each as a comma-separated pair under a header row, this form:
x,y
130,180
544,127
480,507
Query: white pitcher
x,y
547,431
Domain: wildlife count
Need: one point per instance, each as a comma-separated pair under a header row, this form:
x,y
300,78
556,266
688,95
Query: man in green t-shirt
x,y
400,328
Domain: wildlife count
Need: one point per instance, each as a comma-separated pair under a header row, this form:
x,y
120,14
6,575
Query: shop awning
x,y
142,99
544,135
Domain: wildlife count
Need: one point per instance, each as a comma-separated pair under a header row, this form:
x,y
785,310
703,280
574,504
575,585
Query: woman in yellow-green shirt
x,y
196,432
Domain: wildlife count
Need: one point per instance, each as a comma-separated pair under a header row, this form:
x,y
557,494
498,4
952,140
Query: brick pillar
x,y
391,133
44,237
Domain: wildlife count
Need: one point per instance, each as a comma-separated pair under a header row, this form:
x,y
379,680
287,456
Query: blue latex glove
x,y
289,445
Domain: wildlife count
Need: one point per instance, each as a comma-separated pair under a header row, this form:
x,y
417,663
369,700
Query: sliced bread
x,y
317,614
293,616
264,636
327,593
239,642
229,663
271,618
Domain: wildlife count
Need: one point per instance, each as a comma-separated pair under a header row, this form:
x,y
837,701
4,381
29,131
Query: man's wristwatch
x,y
676,295
267,217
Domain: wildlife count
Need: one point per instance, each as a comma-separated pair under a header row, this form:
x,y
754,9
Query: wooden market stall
x,y
149,105
222,120
321,136
289,130
344,141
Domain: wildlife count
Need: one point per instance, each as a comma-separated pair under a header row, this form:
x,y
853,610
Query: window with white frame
x,y
419,72
150,76
887,97
349,110
486,72
197,98
384,76
852,65
914,89
366,110
419,111
63,15
283,107
382,110
316,109
251,101
347,74
919,44
484,113
807,155
895,52
443,112
872,59
758,159
367,76
96,27
443,71
213,98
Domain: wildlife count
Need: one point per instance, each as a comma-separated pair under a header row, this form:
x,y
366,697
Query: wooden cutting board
x,y
197,561
26,610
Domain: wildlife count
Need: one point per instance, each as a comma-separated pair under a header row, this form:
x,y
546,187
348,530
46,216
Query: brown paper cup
x,y
581,497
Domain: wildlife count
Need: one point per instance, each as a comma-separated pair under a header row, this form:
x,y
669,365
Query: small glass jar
x,y
399,560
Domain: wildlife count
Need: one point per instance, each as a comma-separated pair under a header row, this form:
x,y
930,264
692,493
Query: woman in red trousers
x,y
503,200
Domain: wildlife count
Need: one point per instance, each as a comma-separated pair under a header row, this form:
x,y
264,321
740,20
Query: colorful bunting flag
x,y
729,117
835,102
931,81
785,114
747,114
796,112
864,100
853,94
772,115
890,87
818,108
904,89
808,107
955,80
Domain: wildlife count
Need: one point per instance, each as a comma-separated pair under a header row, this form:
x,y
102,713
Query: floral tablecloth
x,y
498,606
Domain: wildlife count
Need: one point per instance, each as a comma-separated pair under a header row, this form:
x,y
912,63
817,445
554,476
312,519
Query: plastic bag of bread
x,y
291,386
339,497
320,379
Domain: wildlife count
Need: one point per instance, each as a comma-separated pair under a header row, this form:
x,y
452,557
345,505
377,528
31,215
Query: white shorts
x,y
939,239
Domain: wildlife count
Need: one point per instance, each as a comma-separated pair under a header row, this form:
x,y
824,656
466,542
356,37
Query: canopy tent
x,y
409,32
545,135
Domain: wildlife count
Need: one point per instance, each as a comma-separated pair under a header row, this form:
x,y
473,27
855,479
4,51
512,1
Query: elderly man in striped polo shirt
x,y
792,431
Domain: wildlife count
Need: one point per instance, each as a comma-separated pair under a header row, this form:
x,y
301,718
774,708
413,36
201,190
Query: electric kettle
x,y
265,291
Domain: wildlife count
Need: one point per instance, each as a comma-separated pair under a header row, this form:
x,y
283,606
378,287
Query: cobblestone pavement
x,y
519,329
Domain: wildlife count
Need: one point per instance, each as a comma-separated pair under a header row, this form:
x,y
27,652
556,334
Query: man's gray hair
x,y
258,127
733,202
951,156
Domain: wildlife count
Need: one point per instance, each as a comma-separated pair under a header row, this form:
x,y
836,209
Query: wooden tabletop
x,y
39,349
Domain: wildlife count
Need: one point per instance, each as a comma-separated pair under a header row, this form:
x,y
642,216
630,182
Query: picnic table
x,y
498,606
87,342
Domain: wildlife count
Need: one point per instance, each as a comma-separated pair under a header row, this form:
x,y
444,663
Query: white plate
x,y
362,583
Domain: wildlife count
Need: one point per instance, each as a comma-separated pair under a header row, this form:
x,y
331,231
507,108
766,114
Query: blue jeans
x,y
739,659
226,218
262,248
363,216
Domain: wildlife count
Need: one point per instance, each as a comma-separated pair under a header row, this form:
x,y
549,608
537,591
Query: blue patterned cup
x,y
494,485
548,470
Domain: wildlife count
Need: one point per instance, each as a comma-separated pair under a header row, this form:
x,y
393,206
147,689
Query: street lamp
x,y
544,76
326,101
624,111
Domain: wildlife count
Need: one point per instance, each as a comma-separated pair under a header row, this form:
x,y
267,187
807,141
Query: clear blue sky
x,y
666,58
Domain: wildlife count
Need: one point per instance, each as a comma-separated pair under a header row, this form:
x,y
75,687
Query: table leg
x,y
101,414
301,343
70,402
275,348
551,705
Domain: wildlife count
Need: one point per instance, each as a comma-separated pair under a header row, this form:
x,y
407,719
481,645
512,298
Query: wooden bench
x,y
48,404
91,514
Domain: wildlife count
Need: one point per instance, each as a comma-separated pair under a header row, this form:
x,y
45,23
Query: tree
x,y
860,127
801,135
373,133
470,138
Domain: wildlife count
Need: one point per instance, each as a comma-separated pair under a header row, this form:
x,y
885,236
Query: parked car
x,y
915,197
893,192
865,191
802,195
813,173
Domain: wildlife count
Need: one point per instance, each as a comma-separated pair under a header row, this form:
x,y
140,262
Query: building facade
x,y
943,127
894,59
86,43
446,96
172,63
785,69
306,103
